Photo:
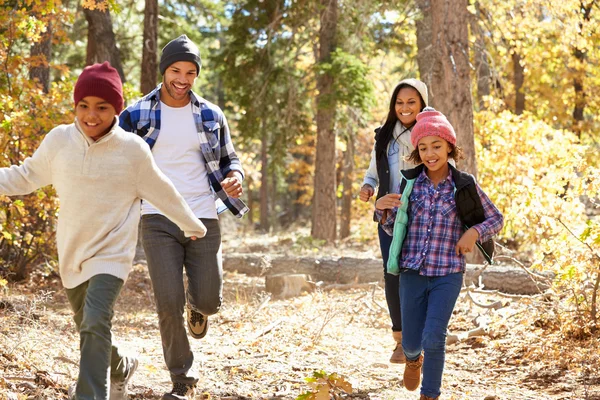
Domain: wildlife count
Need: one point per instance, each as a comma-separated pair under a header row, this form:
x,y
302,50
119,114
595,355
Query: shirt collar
x,y
424,178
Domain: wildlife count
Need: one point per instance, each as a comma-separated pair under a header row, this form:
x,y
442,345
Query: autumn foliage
x,y
27,113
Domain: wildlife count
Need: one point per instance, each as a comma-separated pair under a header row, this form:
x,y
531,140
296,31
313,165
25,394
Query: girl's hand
x,y
467,242
388,201
366,192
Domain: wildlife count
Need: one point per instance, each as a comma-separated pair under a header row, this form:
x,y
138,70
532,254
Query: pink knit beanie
x,y
100,80
432,123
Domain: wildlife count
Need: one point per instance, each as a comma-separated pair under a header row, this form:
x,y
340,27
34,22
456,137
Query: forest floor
x,y
263,348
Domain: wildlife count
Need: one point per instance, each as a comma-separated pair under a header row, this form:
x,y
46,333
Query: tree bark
x,y
42,50
443,58
149,76
101,44
324,208
264,180
481,61
348,178
518,79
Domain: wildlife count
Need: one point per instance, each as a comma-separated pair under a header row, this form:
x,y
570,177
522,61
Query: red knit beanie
x,y
432,123
100,80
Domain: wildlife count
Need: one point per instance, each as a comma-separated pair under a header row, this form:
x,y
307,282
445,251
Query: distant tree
x,y
41,52
149,76
324,205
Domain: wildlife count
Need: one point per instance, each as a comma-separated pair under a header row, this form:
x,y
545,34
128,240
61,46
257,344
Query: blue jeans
x,y
427,305
392,282
168,251
93,303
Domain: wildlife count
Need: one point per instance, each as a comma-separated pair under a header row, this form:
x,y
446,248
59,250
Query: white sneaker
x,y
71,391
118,390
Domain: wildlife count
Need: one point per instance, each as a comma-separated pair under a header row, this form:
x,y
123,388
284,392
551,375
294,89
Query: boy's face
x,y
434,152
95,116
178,80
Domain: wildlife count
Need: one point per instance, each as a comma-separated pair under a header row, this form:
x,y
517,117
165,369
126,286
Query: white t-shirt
x,y
177,153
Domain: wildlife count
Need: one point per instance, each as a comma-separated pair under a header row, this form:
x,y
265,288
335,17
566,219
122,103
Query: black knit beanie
x,y
180,49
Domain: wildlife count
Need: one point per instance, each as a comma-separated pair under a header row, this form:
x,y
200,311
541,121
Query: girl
x,y
392,145
442,213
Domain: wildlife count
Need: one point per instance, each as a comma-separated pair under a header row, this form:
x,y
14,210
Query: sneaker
x,y
118,390
71,391
180,391
197,323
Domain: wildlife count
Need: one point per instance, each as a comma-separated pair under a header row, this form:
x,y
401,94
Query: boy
x,y
100,173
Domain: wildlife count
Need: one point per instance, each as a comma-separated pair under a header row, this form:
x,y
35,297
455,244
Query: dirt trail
x,y
258,349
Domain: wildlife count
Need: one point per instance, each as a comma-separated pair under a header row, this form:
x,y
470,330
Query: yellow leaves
x,y
325,386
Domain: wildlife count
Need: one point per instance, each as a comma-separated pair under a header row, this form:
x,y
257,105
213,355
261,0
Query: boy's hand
x,y
467,242
366,192
232,185
388,201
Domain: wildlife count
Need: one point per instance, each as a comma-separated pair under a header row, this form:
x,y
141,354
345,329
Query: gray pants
x,y
168,251
93,302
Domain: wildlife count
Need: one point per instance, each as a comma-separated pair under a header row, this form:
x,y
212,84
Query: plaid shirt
x,y
143,119
434,228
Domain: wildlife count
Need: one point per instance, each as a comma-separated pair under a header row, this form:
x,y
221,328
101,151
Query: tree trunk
x,y
580,101
101,44
249,183
324,208
43,51
149,76
443,58
264,180
348,178
481,61
519,79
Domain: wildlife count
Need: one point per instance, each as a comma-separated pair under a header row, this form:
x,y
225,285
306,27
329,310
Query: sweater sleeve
x,y
34,173
371,177
154,187
494,221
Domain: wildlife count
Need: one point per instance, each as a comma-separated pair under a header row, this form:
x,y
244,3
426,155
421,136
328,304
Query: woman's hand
x,y
388,201
366,191
467,242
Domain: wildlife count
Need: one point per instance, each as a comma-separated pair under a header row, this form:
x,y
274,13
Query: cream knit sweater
x,y
99,185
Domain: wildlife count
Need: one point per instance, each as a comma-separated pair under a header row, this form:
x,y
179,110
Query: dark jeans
x,y
427,305
168,251
93,302
392,282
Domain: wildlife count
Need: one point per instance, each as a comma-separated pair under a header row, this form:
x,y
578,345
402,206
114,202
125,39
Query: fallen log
x,y
345,270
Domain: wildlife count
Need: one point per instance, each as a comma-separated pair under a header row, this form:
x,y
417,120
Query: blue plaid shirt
x,y
143,119
434,228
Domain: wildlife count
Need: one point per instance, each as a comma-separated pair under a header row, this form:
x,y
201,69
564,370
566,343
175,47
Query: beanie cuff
x,y
171,59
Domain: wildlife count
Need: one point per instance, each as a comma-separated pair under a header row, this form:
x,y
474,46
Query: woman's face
x,y
408,105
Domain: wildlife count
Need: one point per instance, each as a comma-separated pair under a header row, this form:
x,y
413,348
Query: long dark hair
x,y
386,131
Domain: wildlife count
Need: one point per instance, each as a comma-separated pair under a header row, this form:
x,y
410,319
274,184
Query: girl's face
x,y
434,152
408,105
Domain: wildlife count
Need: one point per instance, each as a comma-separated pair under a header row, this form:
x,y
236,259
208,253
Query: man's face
x,y
178,80
95,116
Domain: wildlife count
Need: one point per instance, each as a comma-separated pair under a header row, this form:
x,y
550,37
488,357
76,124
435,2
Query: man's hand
x,y
366,192
232,185
467,242
388,201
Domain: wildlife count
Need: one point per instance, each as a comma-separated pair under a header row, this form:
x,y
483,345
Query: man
x,y
191,144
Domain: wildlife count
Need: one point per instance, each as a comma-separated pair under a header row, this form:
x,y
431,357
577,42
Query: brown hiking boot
x,y
412,373
398,356
423,397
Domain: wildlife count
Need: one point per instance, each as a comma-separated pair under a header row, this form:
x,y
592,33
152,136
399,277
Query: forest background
x,y
304,83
